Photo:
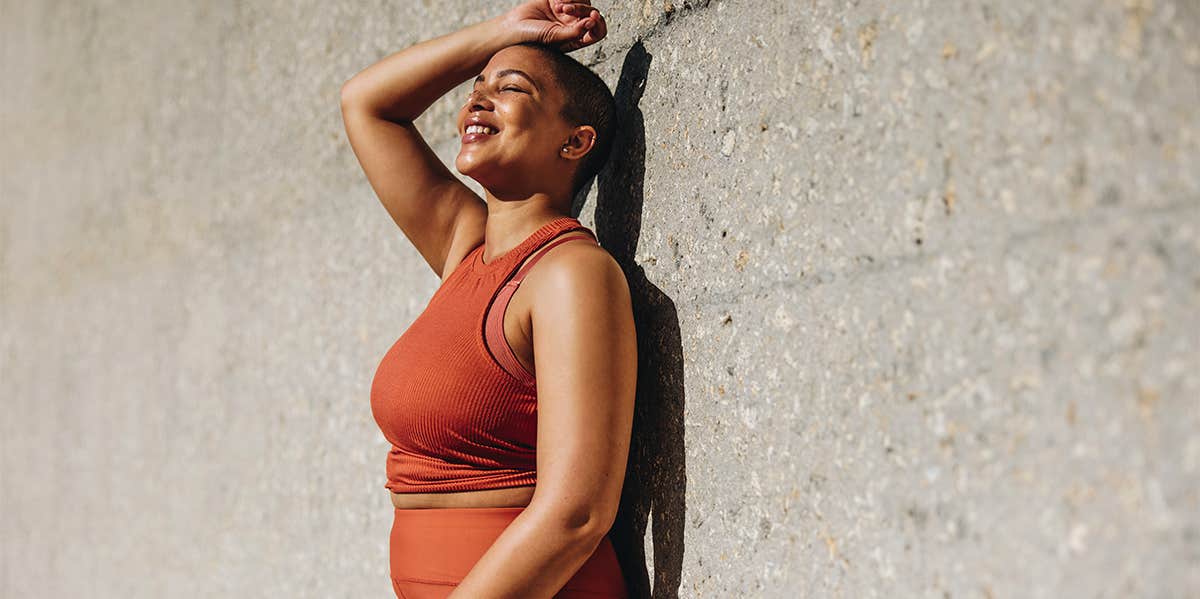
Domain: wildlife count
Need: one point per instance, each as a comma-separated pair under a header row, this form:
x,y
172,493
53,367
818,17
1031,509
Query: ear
x,y
579,143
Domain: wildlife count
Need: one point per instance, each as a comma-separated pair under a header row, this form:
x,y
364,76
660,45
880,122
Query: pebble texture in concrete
x,y
917,287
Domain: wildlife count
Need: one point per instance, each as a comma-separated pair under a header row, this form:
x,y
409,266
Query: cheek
x,y
536,146
528,132
529,122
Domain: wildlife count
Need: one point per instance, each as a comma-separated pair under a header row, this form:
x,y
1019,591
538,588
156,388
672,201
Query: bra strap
x,y
517,278
493,334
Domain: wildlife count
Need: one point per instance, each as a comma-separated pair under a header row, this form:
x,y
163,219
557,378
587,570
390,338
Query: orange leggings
x,y
432,549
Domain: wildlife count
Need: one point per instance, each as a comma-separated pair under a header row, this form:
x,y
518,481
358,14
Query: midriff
x,y
511,497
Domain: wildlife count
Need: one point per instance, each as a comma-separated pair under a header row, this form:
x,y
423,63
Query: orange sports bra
x,y
458,408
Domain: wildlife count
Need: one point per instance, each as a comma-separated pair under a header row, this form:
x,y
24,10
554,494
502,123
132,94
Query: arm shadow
x,y
656,474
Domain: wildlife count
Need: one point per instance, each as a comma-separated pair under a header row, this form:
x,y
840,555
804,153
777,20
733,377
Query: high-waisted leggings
x,y
433,549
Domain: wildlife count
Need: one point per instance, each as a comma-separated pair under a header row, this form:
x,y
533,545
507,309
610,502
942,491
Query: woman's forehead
x,y
518,57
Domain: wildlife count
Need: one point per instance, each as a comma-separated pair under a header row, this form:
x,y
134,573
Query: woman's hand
x,y
565,25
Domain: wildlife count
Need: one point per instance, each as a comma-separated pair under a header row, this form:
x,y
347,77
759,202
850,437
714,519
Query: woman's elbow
x,y
349,93
586,522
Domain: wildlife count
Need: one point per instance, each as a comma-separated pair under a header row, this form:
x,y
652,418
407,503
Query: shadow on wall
x,y
656,474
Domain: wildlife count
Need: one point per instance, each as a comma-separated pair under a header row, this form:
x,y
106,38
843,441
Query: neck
x,y
509,223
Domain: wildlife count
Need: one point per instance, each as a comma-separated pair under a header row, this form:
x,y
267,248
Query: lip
x,y
469,138
477,119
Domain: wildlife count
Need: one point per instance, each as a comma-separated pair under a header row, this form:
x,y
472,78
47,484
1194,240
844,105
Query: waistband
x,y
441,545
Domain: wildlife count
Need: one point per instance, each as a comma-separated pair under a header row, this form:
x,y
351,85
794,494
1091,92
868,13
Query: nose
x,y
477,101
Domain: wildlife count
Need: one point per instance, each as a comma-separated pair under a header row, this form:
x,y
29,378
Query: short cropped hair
x,y
587,101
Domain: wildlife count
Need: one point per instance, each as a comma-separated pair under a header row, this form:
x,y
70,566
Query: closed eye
x,y
516,89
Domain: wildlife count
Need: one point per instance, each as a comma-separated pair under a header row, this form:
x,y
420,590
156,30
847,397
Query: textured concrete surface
x,y
918,289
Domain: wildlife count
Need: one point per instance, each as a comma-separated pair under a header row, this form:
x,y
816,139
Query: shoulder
x,y
577,271
582,317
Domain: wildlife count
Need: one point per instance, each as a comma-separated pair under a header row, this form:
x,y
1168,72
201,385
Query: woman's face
x,y
517,96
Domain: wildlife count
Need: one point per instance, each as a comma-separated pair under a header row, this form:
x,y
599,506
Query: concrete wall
x,y
917,284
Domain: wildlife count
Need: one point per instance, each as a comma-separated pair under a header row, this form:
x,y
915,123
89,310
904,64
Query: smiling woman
x,y
543,90
508,402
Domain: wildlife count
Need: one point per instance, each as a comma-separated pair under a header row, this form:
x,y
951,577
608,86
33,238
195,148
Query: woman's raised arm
x,y
379,105
440,216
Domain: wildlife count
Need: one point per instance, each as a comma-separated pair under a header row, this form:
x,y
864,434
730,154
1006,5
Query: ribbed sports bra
x,y
458,408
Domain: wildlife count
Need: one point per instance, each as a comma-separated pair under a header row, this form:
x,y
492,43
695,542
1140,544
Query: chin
x,y
466,166
474,170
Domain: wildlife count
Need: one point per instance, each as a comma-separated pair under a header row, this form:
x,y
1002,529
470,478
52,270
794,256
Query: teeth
x,y
481,129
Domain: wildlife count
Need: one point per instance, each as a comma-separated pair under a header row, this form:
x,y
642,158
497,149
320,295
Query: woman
x,y
509,400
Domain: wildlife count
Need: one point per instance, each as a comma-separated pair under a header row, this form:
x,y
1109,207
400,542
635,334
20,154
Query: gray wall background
x,y
917,284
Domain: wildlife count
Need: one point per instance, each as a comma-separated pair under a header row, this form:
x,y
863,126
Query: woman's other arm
x,y
585,359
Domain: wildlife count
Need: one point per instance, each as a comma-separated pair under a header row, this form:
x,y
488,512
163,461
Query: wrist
x,y
501,31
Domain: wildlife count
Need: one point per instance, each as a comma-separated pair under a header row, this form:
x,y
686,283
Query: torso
x,y
517,330
511,497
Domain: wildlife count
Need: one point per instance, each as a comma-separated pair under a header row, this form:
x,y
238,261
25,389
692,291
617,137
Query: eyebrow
x,y
506,72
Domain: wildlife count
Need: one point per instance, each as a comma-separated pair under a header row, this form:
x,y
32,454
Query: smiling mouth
x,y
474,134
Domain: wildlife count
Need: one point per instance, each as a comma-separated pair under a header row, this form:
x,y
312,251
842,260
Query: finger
x,y
577,9
584,26
587,21
570,33
599,29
